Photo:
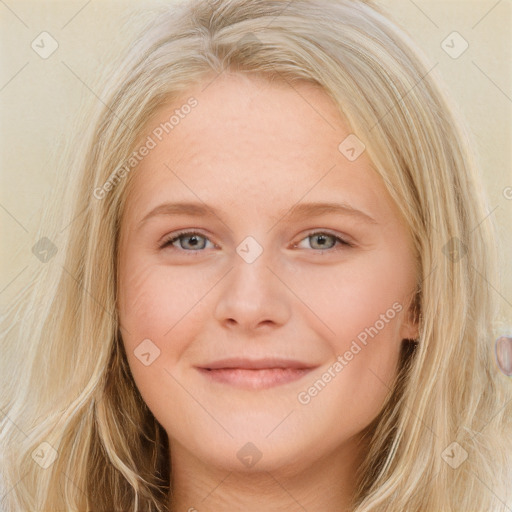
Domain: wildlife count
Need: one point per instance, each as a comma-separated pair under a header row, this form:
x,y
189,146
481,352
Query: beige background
x,y
40,97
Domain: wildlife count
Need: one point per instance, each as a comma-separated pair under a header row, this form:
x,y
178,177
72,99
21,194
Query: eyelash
x,y
341,243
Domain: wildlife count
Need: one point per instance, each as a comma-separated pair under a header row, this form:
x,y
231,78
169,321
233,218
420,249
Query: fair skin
x,y
251,151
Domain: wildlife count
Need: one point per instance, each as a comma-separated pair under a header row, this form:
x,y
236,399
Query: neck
x,y
326,484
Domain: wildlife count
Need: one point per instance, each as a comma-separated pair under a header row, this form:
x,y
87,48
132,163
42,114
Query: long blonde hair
x,y
68,398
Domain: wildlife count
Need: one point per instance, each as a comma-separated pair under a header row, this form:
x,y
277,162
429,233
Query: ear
x,y
410,325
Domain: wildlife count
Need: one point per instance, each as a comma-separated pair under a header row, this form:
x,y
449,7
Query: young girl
x,y
274,292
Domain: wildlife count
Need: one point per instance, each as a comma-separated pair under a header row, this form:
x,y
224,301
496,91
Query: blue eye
x,y
323,243
188,241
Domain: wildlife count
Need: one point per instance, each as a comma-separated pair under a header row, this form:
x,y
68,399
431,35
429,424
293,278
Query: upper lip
x,y
255,364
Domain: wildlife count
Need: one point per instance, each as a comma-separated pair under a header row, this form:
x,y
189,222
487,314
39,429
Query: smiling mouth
x,y
255,374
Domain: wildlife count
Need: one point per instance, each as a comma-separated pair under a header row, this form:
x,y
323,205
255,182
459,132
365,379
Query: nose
x,y
253,296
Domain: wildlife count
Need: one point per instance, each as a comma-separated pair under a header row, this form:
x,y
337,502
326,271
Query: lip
x,y
255,373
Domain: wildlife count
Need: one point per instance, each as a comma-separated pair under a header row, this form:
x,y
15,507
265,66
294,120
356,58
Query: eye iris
x,y
322,239
193,241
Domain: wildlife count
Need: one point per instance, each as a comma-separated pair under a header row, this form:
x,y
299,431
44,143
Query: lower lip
x,y
255,379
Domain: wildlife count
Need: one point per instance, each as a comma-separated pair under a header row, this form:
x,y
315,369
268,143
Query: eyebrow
x,y
298,212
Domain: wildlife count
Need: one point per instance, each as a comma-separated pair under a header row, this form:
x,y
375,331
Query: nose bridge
x,y
252,266
251,293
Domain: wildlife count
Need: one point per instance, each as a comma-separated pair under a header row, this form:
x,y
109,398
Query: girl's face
x,y
264,278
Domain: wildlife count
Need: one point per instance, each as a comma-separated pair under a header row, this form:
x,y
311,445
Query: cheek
x,y
160,311
159,304
370,291
363,307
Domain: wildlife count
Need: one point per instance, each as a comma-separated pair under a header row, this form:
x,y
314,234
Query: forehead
x,y
251,143
240,116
